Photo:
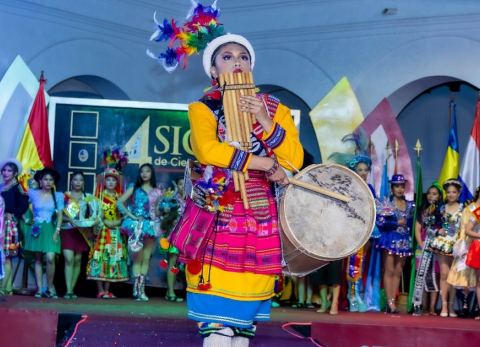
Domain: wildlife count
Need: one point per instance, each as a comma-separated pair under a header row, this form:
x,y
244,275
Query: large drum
x,y
317,229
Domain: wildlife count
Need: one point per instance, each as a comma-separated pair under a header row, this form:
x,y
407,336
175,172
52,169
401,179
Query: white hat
x,y
13,161
227,38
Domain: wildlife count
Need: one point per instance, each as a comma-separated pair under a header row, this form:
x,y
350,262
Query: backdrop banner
x,y
156,133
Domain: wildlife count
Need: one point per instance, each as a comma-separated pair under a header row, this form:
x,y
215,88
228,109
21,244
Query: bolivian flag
x,y
34,152
451,163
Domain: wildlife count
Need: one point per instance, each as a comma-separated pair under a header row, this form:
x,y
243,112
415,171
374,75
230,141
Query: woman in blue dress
x,y
394,220
141,223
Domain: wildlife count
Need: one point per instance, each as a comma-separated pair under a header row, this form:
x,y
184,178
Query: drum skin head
x,y
316,228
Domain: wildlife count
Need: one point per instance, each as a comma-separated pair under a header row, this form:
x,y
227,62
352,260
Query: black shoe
x,y
391,310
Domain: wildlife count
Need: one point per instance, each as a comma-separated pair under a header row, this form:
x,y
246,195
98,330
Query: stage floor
x,y
124,322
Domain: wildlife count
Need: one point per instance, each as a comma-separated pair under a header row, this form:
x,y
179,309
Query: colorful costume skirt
x,y
443,245
395,243
73,240
233,299
108,258
11,241
148,227
460,275
39,238
235,284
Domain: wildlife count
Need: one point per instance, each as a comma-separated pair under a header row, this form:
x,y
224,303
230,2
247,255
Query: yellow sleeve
x,y
205,143
283,139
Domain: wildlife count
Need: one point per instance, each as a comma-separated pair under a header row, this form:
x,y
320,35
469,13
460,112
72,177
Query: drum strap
x,y
426,276
202,283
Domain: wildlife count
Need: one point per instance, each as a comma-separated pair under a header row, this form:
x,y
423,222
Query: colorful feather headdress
x,y
361,152
113,161
201,27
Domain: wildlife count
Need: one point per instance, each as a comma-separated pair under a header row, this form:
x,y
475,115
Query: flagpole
x,y
418,204
396,148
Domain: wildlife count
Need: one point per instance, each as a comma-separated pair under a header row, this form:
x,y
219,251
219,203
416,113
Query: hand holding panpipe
x,y
239,124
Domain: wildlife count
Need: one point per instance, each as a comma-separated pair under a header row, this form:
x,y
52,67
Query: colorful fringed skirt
x,y
12,238
108,258
235,284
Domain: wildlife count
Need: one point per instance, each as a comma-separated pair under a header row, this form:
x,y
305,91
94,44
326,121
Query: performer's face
x,y
8,173
181,186
398,190
146,174
231,58
77,183
433,196
362,170
452,194
47,182
110,183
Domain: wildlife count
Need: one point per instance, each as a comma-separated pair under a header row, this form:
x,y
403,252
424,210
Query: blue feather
x,y
166,31
170,57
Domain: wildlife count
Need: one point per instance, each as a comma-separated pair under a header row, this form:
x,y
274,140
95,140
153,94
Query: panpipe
x,y
239,124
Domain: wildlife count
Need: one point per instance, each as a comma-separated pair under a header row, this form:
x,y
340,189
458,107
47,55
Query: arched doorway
x,y
422,109
88,86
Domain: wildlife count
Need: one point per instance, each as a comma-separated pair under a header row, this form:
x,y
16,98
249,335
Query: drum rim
x,y
291,237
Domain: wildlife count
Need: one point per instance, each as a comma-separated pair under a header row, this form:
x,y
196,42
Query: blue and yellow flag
x,y
451,163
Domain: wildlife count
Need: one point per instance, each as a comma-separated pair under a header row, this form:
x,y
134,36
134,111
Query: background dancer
x,y
16,204
472,230
142,224
443,243
43,236
109,256
81,210
429,221
395,222
461,276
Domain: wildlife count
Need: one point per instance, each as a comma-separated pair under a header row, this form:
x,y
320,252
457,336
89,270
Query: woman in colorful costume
x,y
429,221
231,286
358,299
141,224
109,256
363,287
80,214
394,220
2,234
170,207
443,243
472,231
16,204
43,238
461,276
